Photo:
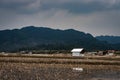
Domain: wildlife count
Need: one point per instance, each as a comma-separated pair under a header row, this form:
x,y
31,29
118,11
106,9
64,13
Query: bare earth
x,y
24,68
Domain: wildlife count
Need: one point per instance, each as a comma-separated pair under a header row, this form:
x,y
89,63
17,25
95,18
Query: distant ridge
x,y
38,38
109,39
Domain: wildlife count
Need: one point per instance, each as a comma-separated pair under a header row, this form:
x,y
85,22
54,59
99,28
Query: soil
x,y
35,71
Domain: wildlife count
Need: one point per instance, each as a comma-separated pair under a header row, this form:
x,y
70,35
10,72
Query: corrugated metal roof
x,y
77,50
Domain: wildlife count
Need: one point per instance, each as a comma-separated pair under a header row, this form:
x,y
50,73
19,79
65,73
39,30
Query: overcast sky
x,y
98,17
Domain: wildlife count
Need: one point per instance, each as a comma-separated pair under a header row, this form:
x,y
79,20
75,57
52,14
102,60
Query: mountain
x,y
109,39
38,38
114,41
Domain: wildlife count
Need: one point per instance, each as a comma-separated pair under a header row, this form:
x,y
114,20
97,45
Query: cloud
x,y
93,16
81,6
72,6
20,6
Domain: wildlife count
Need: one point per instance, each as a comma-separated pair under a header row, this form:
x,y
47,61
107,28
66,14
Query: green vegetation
x,y
39,38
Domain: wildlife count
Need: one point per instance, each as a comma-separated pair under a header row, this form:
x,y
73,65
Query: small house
x,y
30,52
77,52
111,52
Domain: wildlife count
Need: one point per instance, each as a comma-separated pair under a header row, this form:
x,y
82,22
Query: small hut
x,y
111,52
77,52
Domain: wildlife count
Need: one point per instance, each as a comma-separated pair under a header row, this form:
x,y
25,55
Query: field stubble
x,y
28,68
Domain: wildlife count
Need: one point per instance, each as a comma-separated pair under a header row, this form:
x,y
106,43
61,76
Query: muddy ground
x,y
36,71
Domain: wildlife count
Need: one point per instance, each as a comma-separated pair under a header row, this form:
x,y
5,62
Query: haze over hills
x,y
38,38
109,39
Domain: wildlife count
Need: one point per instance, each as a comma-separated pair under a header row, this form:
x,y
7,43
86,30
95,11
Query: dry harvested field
x,y
58,67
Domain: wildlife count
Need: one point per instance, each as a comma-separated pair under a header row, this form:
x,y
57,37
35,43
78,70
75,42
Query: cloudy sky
x,y
98,17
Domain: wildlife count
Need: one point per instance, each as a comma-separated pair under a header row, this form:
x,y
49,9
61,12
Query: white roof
x,y
77,50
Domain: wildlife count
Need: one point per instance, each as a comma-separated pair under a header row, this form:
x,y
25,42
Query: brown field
x,y
58,67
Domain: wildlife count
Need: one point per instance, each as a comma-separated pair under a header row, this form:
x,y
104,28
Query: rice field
x,y
34,67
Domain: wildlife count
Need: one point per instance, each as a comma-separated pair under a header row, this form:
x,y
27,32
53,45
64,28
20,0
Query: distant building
x,y
30,53
111,52
100,53
91,53
107,52
3,52
77,52
22,52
